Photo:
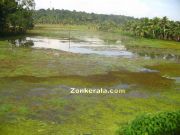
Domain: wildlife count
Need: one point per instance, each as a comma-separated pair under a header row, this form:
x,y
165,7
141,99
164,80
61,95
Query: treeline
x,y
154,28
56,16
16,16
149,28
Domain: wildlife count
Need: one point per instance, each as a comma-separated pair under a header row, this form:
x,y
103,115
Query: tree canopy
x,y
56,16
160,28
15,16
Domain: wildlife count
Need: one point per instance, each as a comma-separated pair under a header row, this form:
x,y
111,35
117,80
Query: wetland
x,y
38,70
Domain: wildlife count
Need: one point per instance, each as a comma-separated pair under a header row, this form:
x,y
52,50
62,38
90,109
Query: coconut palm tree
x,y
154,28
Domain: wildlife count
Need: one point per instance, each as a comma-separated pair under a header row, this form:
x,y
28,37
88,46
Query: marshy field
x,y
38,70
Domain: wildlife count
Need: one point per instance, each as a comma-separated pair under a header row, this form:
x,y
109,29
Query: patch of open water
x,y
89,45
86,46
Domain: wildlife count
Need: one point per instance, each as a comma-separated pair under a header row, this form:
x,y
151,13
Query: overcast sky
x,y
136,8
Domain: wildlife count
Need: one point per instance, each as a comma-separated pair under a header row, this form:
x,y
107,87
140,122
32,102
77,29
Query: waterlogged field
x,y
37,72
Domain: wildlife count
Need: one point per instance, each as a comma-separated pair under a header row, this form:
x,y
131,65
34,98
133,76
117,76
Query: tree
x,y
154,28
164,25
15,16
55,16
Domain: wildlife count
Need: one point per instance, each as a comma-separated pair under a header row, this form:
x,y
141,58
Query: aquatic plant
x,y
163,123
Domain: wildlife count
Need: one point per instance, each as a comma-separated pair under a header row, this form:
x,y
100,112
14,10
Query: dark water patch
x,y
122,86
146,70
156,53
47,115
20,42
39,92
137,94
170,57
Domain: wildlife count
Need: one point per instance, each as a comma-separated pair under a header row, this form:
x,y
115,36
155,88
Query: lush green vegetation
x,y
149,28
56,16
15,16
154,28
164,123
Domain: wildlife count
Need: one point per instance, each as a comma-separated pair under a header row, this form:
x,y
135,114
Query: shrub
x,y
163,123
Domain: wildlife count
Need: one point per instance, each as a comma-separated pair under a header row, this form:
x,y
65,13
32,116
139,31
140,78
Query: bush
x,y
163,123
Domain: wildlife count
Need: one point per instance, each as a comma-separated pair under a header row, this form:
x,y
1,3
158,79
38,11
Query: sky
x,y
135,8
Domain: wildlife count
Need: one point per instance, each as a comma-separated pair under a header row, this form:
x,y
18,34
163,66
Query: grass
x,y
85,114
60,31
150,43
171,69
35,87
155,43
43,63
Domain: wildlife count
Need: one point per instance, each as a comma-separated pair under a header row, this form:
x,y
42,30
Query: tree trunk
x,y
153,34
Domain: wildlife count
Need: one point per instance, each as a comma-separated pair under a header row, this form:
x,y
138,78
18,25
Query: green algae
x,y
168,69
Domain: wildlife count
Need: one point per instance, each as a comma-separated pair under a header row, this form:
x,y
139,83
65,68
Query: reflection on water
x,y
22,42
160,56
86,46
93,45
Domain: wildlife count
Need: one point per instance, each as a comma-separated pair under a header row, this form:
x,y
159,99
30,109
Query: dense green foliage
x,y
154,28
56,16
150,28
164,123
15,16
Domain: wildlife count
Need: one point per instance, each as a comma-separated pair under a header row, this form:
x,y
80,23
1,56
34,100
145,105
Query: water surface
x,y
88,45
94,45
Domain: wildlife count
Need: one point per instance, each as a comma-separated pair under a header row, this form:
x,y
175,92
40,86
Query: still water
x,y
91,45
86,46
